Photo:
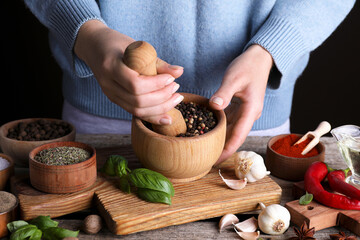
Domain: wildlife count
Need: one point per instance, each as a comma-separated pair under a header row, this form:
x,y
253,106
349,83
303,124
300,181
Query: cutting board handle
x,y
141,57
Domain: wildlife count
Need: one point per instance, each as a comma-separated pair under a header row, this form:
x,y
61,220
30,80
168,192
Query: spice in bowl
x,y
39,130
199,120
7,200
285,146
4,163
62,155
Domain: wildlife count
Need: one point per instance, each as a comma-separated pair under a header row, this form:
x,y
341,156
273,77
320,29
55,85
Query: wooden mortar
x,y
181,159
141,57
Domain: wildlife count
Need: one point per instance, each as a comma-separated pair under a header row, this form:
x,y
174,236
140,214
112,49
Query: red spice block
x,y
285,146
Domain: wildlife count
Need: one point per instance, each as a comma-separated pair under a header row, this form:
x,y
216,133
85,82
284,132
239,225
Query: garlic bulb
x,y
249,165
274,219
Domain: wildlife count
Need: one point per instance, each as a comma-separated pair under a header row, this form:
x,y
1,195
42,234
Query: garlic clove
x,y
227,220
234,184
248,235
249,225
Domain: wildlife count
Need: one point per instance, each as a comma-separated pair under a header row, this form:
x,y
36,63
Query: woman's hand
x,y
243,86
147,97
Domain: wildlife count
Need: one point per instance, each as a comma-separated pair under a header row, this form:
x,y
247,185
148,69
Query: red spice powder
x,y
284,146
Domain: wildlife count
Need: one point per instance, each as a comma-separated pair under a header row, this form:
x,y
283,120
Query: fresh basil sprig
x,y
44,222
154,196
146,179
116,165
306,199
57,233
24,232
149,185
41,227
15,225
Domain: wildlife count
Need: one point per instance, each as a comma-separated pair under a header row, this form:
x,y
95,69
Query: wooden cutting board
x,y
124,213
320,216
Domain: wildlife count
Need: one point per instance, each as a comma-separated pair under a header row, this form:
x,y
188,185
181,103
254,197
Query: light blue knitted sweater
x,y
203,36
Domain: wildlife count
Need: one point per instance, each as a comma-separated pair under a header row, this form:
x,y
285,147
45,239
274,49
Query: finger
x,y
154,98
137,84
238,131
116,94
150,113
222,96
162,119
164,67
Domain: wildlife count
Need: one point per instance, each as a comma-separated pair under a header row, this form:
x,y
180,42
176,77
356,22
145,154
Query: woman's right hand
x,y
147,97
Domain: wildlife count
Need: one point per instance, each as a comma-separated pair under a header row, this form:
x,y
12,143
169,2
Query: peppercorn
x,y
199,120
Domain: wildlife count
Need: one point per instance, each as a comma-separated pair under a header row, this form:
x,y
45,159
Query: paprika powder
x,y
285,146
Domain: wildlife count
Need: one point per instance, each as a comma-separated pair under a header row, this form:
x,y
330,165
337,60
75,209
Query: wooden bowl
x,y
62,178
7,217
181,159
290,168
6,173
19,150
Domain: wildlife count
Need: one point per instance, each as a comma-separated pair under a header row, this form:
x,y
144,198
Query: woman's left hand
x,y
243,85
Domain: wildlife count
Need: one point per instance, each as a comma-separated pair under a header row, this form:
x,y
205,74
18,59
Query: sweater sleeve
x,y
64,18
295,28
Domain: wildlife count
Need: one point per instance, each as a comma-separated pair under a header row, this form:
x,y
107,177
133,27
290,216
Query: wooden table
x,y
206,229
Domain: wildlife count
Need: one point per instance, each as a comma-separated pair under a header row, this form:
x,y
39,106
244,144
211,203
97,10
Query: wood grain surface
x,y
319,216
205,198
204,229
125,213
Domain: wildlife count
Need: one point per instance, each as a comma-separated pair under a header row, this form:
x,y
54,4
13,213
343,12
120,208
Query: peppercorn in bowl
x,y
19,137
284,159
187,157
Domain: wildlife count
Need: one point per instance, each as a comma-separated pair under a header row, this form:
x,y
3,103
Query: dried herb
x,y
149,185
342,236
304,232
62,155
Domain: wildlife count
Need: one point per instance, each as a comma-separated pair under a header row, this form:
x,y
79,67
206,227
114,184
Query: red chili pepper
x,y
337,183
312,181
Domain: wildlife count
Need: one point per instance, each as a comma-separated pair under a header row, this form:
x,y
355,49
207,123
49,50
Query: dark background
x,y
31,80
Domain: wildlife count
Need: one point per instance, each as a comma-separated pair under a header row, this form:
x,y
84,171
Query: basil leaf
x,y
114,165
306,199
15,225
23,232
36,235
124,184
154,196
121,168
145,178
57,233
44,222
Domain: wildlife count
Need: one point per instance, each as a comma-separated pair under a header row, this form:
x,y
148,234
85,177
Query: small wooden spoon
x,y
323,128
141,57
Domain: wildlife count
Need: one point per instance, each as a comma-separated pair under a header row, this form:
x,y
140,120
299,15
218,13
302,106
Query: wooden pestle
x,y
141,57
